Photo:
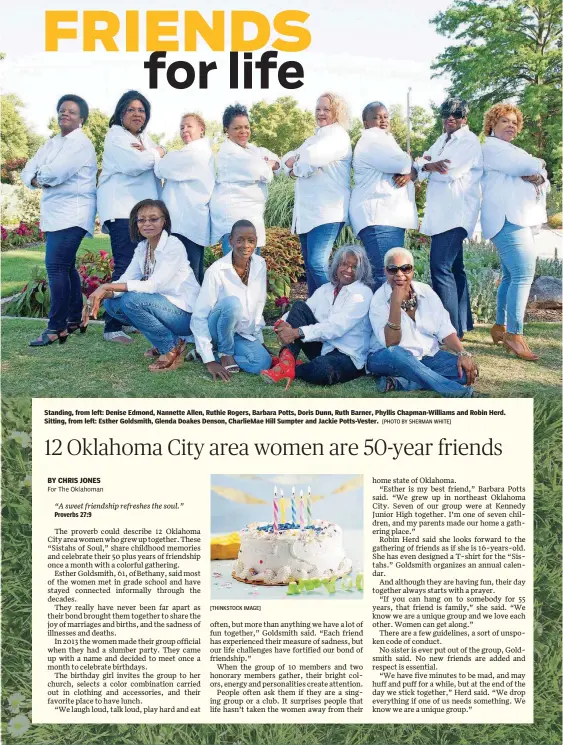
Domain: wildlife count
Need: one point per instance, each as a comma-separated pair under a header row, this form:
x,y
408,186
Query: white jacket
x,y
505,195
343,322
190,177
322,188
453,199
68,166
172,276
220,281
375,199
127,174
421,337
241,188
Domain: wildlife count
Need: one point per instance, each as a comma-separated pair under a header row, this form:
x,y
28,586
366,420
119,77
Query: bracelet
x,y
463,353
394,326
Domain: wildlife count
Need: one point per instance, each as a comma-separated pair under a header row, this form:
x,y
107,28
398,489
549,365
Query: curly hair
x,y
81,103
230,112
339,108
501,109
199,119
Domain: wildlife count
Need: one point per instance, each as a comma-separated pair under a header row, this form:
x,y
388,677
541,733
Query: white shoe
x,y
130,330
118,336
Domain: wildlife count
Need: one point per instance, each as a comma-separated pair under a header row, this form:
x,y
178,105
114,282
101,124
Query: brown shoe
x,y
171,360
152,353
497,332
515,343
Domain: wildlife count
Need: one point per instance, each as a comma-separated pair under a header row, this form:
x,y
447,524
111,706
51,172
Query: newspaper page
x,y
195,552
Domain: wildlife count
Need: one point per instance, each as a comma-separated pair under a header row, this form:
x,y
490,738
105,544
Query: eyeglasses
x,y
405,268
151,220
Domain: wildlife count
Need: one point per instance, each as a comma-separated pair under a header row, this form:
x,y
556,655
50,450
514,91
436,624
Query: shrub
x,y
23,235
10,169
279,207
555,221
34,300
94,269
28,203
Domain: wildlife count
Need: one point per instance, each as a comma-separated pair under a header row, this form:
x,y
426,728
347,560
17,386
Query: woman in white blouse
x,y
243,174
189,176
382,205
127,177
65,169
157,292
321,166
228,313
514,191
331,327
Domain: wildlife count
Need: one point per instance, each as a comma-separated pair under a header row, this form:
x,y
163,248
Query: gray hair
x,y
370,107
363,270
395,252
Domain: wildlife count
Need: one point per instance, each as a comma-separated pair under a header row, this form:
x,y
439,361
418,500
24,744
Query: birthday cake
x,y
272,554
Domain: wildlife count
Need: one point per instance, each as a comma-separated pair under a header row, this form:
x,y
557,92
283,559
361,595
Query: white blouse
x,y
375,199
453,199
172,275
127,174
343,321
241,188
422,336
221,281
67,165
322,188
505,195
190,177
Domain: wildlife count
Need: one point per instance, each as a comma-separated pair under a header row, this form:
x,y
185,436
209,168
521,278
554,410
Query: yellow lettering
x,y
284,28
213,36
52,31
105,35
155,31
238,20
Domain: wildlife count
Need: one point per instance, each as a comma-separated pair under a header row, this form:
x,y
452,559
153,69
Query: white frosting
x,y
291,554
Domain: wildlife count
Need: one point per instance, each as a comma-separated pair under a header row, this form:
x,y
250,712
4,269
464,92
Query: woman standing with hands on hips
x,y
243,174
127,177
514,190
321,166
190,176
158,290
65,169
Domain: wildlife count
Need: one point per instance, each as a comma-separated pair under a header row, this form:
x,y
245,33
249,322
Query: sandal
x,y
386,384
171,360
72,327
45,339
152,353
232,367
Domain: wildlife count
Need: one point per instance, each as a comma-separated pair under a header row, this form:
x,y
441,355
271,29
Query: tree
x,y
96,128
13,129
280,126
423,132
508,50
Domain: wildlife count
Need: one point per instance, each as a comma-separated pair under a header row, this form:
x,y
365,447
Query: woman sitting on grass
x,y
228,312
157,292
331,327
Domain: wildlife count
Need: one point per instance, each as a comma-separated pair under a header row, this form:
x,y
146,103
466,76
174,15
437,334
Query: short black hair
x,y
82,105
242,224
454,105
230,112
371,106
124,102
136,237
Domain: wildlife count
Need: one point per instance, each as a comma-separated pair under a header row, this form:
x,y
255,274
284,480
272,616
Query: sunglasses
x,y
456,114
405,268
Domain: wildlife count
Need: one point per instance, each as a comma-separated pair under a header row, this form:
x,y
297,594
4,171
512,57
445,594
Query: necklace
x,y
148,265
410,303
246,272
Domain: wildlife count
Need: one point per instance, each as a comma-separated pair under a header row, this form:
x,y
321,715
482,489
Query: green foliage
x,y
96,128
355,131
34,299
281,198
423,129
13,129
280,126
508,49
28,204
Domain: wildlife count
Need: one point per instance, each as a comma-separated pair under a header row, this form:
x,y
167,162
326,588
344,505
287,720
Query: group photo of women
x,y
364,312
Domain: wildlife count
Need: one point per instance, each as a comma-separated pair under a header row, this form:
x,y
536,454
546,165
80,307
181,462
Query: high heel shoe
x,y
284,370
44,340
497,332
515,344
72,327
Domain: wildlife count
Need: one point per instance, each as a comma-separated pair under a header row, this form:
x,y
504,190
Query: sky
x,y
363,49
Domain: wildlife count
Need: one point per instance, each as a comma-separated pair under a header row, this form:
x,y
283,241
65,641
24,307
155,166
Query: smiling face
x,y
238,130
150,222
69,117
243,242
377,117
346,272
453,122
134,117
324,112
402,277
506,127
190,129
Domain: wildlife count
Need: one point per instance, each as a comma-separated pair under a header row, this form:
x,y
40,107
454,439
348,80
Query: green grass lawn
x,y
88,366
17,264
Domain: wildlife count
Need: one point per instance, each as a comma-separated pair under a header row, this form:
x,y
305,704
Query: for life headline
x,y
240,32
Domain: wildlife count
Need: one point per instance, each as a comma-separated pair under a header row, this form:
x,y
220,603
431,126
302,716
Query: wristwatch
x,y
301,333
463,353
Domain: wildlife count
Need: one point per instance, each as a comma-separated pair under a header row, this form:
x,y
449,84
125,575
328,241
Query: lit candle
x,y
282,507
309,506
301,519
293,511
